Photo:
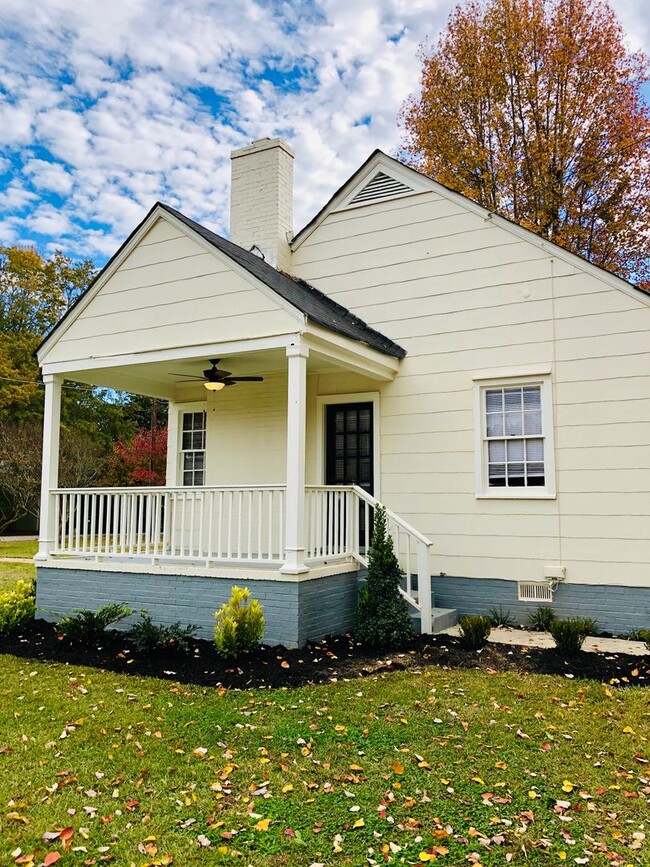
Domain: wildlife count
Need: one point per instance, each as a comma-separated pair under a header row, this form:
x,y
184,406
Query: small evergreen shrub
x,y
640,635
17,606
591,625
383,619
569,635
541,618
149,637
499,617
474,631
240,624
86,625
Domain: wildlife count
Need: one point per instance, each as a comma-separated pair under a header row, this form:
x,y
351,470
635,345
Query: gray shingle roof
x,y
306,298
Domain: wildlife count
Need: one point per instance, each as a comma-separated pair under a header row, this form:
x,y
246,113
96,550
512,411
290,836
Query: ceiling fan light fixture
x,y
214,386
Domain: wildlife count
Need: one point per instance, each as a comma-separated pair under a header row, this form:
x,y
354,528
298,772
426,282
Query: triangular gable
x,y
379,162
167,286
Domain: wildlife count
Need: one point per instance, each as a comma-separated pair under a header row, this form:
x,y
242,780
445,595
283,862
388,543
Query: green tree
x,y
383,618
34,293
533,108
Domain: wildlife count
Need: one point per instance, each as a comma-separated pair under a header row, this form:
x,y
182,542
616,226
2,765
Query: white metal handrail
x,y
243,523
339,521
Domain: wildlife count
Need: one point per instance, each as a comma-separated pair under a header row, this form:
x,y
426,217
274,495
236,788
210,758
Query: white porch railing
x,y
339,523
238,523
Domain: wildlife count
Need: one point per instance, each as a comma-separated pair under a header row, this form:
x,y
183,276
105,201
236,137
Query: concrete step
x,y
441,619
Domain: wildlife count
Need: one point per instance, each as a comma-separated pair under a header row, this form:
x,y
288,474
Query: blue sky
x,y
108,105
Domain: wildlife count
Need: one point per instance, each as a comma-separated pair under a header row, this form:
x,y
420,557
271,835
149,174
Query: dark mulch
x,y
325,661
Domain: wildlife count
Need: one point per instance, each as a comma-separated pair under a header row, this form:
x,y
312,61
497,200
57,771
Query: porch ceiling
x,y
155,374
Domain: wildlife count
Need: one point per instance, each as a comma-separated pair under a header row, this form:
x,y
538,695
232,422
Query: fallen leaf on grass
x,y
17,817
52,858
398,767
262,825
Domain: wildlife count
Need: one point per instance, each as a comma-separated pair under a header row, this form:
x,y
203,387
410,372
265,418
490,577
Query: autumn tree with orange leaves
x,y
533,108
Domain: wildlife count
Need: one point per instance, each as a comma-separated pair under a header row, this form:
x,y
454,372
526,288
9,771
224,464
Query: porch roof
x,y
305,298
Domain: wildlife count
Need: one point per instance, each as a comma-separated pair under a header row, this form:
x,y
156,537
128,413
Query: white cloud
x,y
116,104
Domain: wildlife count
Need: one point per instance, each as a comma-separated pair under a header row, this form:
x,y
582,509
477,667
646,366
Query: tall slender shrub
x,y
383,618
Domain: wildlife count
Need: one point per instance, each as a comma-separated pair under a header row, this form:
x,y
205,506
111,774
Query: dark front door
x,y
349,454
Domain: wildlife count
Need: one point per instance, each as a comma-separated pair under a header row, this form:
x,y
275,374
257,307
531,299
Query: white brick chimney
x,y
261,199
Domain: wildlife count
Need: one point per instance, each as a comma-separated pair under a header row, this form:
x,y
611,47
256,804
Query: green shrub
x,y
149,637
569,635
541,618
383,618
640,635
240,624
499,617
86,625
591,625
474,631
17,606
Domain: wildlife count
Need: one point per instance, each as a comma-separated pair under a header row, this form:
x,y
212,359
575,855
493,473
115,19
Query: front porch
x,y
259,512
154,547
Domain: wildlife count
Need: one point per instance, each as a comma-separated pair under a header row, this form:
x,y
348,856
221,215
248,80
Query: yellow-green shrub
x,y
17,606
240,624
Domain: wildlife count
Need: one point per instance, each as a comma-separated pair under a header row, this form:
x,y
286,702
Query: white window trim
x,y
483,490
189,407
325,400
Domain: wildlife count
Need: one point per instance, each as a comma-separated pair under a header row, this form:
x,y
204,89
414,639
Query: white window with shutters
x,y
514,438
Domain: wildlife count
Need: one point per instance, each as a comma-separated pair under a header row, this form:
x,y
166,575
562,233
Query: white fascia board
x,y
392,169
160,214
548,247
103,278
421,183
175,353
355,184
352,354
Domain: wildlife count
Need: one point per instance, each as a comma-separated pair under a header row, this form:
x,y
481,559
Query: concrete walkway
x,y
593,644
16,559
18,538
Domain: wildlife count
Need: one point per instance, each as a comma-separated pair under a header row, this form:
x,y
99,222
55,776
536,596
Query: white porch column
x,y
50,466
294,550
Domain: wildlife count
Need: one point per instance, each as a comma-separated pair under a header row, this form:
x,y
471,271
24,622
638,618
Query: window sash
x,y
513,434
192,448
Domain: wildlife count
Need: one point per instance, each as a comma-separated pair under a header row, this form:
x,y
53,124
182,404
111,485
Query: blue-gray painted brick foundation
x,y
617,609
294,611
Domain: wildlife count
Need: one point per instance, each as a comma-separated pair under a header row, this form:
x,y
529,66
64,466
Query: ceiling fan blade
x,y
247,379
185,375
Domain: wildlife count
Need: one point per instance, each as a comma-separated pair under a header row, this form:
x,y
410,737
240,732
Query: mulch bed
x,y
336,658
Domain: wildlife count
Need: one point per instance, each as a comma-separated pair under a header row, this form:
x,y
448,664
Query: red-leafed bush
x,y
142,461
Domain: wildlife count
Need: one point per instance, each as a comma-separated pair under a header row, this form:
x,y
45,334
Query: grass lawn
x,y
12,572
380,770
22,548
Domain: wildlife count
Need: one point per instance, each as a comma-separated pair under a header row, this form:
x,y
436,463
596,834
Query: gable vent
x,y
380,187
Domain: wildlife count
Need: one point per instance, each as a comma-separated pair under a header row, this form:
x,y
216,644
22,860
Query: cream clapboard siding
x,y
170,292
247,433
464,295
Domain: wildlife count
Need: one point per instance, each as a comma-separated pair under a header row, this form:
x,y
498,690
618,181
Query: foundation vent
x,y
534,592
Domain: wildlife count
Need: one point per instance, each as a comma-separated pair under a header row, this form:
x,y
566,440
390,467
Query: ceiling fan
x,y
215,379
